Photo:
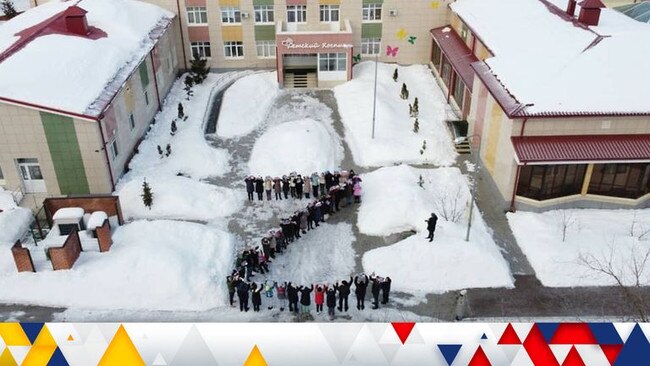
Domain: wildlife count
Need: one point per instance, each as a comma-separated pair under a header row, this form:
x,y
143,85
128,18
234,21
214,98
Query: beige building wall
x,y
92,154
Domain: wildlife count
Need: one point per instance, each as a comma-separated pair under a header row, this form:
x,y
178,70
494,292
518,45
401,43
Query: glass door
x,y
31,174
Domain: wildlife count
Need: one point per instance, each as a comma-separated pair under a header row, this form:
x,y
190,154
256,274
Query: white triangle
x,y
19,352
522,358
560,351
510,351
108,330
83,331
2,345
377,330
415,337
340,337
592,354
95,337
624,330
389,337
389,351
522,330
498,329
159,361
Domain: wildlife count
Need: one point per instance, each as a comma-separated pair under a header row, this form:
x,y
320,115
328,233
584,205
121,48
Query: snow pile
x,y
394,202
595,235
157,265
246,103
179,198
394,140
7,201
13,224
304,146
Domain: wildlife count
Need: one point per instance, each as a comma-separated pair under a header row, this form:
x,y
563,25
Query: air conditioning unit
x,y
392,12
244,15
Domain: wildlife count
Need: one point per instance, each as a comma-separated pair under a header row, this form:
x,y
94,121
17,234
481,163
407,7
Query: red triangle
x,y
573,333
611,351
573,358
403,330
479,358
538,351
509,336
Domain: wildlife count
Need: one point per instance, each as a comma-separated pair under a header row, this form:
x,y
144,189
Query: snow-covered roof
x,y
96,220
554,65
43,63
68,213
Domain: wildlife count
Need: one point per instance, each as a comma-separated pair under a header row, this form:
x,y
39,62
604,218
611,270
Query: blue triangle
x,y
605,333
548,330
449,351
32,330
636,350
58,359
483,336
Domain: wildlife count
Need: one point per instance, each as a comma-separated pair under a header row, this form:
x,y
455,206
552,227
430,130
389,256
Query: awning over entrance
x,y
457,52
549,149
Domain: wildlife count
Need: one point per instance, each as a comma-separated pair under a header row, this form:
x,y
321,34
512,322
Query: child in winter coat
x,y
315,184
385,290
282,295
277,188
259,188
242,293
321,184
303,222
292,186
319,297
376,285
256,297
250,187
344,291
299,186
268,186
231,289
269,286
361,283
357,192
305,298
285,186
307,189
330,299
292,295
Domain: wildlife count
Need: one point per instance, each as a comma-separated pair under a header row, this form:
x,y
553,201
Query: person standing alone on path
x,y
431,226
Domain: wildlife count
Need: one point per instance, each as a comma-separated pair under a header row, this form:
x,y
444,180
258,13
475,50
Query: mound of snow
x,y
246,104
14,223
152,265
6,200
304,146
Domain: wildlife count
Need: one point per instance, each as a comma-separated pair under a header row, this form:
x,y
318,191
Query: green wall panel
x,y
265,32
144,74
263,2
66,156
371,30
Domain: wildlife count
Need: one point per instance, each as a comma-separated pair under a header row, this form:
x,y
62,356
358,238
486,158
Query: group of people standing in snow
x,y
344,184
299,298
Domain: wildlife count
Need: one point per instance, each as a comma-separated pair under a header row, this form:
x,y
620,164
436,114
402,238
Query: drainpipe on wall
x,y
180,28
108,161
523,127
155,79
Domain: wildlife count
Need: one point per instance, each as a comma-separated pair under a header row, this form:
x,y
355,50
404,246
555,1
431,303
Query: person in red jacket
x,y
319,297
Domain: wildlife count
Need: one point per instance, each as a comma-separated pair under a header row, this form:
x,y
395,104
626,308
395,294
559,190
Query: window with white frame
x,y
113,149
197,15
131,121
201,49
372,12
233,49
370,46
329,13
296,13
332,61
264,14
230,15
265,49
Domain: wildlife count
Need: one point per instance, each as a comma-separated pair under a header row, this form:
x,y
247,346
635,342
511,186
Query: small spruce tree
x,y
173,128
416,108
405,92
199,69
147,194
410,110
421,182
181,112
168,150
395,75
160,152
416,126
7,7
189,83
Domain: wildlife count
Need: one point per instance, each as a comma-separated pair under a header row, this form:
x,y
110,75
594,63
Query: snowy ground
x,y
592,236
394,202
14,223
395,141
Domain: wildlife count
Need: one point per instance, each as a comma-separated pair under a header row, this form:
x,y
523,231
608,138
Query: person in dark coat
x,y
376,286
277,188
328,180
242,294
385,290
259,188
330,300
231,289
299,185
292,294
256,296
285,186
361,283
431,226
344,292
250,187
305,298
311,216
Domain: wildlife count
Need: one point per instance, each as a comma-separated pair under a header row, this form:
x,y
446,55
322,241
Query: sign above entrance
x,y
290,44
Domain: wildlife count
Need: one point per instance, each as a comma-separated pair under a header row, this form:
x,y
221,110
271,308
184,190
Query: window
x,y
445,72
131,121
332,61
265,49
436,56
543,182
329,13
296,13
197,15
463,32
459,90
201,49
233,49
146,97
620,180
230,15
264,14
113,149
371,12
370,46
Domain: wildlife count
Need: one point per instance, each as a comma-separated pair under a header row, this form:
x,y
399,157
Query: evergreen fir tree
x,y
395,75
181,112
416,126
189,83
7,7
410,110
173,128
199,69
405,92
147,194
421,182
168,149
160,151
416,108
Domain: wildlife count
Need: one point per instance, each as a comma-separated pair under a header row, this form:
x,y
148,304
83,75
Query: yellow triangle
x,y
13,335
70,338
121,351
6,359
39,355
45,338
255,358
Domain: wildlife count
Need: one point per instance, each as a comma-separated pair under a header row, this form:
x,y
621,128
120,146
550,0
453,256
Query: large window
x,y
265,49
201,49
370,46
620,180
329,13
197,15
264,14
230,15
446,71
233,49
113,149
436,56
372,12
296,13
459,90
543,182
332,61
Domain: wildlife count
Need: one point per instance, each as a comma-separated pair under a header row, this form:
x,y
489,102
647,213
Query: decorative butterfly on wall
x,y
401,34
412,39
392,52
356,58
435,4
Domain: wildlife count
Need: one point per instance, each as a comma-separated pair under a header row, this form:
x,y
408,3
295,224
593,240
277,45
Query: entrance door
x,y
30,172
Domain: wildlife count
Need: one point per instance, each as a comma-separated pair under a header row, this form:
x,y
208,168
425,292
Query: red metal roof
x,y
459,55
592,4
538,149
